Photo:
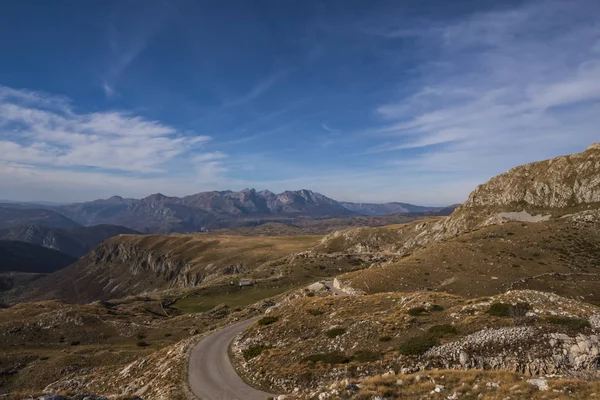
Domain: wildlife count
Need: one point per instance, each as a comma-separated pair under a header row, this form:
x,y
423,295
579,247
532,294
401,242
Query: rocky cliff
x,y
534,192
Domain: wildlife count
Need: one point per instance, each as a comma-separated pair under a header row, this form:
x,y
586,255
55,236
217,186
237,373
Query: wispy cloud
x,y
507,87
112,141
257,90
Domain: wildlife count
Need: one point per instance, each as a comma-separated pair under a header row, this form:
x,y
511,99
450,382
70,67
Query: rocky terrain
x,y
127,349
310,342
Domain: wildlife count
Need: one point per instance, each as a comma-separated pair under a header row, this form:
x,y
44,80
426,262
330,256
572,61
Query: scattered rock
x,y
539,383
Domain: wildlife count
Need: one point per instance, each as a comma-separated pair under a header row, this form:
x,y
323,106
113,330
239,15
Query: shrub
x,y
385,338
364,356
442,331
436,307
75,343
142,343
335,332
168,335
416,311
329,358
315,312
572,324
140,336
418,345
267,320
509,310
253,351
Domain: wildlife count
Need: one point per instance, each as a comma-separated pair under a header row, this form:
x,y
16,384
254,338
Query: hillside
x,y
560,256
329,344
133,264
536,223
75,241
14,216
30,258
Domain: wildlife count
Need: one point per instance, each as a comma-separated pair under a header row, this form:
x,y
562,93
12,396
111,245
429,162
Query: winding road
x,y
210,373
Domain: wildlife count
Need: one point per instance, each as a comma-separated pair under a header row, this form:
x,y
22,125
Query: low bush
x,y
418,345
253,351
509,310
142,343
436,307
416,311
267,320
75,343
329,358
315,312
335,332
572,324
440,331
385,338
364,356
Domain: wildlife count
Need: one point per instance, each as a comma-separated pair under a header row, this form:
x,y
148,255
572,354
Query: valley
x,y
496,298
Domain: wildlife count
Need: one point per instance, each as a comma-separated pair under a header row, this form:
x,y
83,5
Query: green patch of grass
x,y
267,320
315,312
231,296
253,351
442,331
335,332
415,311
418,345
329,358
572,324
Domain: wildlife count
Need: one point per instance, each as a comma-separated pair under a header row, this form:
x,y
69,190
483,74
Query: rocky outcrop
x,y
536,192
528,350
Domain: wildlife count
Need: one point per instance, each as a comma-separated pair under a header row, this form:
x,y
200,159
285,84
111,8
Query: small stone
x,y
539,383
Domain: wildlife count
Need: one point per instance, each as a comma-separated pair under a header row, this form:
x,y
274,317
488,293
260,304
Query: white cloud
x,y
113,140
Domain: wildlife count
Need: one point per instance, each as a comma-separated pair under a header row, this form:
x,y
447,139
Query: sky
x,y
371,101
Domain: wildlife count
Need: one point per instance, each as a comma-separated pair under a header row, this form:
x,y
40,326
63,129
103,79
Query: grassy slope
x,y
497,258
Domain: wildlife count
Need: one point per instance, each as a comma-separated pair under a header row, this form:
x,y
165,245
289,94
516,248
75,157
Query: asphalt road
x,y
211,374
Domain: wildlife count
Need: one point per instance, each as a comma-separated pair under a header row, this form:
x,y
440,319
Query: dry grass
x,y
556,256
469,385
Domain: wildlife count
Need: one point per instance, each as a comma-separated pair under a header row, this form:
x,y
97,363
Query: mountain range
x,y
158,213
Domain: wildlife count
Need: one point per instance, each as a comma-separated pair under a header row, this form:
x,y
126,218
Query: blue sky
x,y
359,100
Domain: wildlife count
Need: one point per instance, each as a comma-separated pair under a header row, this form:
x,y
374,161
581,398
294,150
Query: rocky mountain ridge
x,y
533,192
162,214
